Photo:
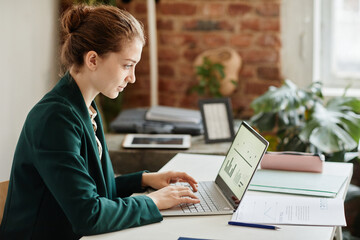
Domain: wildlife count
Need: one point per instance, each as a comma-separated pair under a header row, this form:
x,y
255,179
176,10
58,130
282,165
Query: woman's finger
x,y
188,196
184,177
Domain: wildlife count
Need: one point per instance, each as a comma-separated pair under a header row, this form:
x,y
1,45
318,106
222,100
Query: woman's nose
x,y
131,78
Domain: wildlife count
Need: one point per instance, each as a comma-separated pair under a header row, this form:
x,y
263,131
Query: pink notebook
x,y
293,161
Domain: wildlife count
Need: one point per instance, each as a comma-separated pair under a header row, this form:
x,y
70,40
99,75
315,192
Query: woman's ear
x,y
91,60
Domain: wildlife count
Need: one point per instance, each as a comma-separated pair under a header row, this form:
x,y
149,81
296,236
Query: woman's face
x,y
117,69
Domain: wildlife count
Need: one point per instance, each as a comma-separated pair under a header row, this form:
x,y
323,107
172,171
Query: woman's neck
x,y
82,79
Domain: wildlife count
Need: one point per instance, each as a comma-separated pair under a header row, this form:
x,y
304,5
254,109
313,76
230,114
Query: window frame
x,y
305,53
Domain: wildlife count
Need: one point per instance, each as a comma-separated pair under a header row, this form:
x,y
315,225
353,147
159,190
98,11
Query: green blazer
x,y
59,188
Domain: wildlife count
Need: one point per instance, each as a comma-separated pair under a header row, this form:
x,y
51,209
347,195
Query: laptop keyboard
x,y
210,200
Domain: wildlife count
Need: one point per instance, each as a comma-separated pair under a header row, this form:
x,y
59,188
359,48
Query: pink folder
x,y
293,161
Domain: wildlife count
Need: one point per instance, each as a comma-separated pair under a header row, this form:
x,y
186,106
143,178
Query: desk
x,y
215,227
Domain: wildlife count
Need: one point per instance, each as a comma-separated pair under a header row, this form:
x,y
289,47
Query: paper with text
x,y
291,211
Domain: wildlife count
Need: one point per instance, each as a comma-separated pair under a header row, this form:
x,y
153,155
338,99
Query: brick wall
x,y
188,27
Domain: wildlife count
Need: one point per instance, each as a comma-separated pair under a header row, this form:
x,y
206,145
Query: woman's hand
x,y
160,180
170,196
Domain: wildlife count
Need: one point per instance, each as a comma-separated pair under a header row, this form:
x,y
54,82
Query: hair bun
x,y
74,17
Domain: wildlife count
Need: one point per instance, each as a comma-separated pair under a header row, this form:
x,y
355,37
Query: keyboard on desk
x,y
211,202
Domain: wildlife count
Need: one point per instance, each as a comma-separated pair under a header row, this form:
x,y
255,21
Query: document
x,y
302,183
291,211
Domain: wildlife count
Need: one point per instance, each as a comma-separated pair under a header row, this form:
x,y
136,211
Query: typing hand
x,y
163,179
170,196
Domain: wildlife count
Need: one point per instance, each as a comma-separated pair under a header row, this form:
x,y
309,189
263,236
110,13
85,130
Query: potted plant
x,y
209,76
302,120
217,72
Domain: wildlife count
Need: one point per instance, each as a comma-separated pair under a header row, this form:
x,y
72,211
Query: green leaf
x,y
328,130
352,103
264,121
284,98
332,138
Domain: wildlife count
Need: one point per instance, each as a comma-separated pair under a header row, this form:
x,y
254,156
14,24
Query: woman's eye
x,y
128,66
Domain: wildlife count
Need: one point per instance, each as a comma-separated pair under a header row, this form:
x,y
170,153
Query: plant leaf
x,y
327,130
332,138
284,98
264,121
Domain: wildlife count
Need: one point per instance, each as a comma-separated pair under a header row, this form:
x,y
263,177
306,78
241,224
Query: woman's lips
x,y
120,88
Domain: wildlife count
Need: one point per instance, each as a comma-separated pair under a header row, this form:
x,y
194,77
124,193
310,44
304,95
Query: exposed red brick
x,y
272,73
177,39
270,25
241,40
268,9
239,103
144,55
163,24
247,71
257,88
225,25
257,24
189,101
166,99
269,40
207,25
171,85
142,82
166,70
213,9
177,8
213,40
259,56
250,23
191,54
143,20
236,9
141,8
143,67
187,71
136,99
168,54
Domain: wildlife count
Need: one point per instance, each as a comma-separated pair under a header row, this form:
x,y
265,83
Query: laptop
x,y
223,195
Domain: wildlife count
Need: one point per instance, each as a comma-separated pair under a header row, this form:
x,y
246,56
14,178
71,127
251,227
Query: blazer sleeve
x,y
128,184
64,171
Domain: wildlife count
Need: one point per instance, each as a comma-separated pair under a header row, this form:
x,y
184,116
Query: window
x,y
340,41
321,42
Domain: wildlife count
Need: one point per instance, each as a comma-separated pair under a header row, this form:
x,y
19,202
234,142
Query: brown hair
x,y
102,29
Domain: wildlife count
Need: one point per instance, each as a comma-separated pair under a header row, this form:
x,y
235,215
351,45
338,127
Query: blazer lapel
x,y
70,90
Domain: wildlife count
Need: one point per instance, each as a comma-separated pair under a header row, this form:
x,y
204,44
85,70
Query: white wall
x,y
28,44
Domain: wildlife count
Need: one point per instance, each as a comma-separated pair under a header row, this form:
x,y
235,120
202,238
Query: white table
x,y
205,167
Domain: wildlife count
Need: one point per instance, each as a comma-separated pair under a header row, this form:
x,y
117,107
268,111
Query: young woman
x,y
62,184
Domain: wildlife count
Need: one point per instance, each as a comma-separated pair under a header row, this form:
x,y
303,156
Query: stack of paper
x,y
303,183
291,211
173,114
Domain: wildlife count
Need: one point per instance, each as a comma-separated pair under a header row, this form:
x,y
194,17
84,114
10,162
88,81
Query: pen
x,y
255,225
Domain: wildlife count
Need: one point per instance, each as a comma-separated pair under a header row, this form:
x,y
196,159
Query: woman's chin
x,y
113,95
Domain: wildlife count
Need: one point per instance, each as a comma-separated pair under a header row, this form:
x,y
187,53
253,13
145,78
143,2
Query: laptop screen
x,y
240,163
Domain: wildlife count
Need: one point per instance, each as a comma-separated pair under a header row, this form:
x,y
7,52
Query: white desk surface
x,y
205,167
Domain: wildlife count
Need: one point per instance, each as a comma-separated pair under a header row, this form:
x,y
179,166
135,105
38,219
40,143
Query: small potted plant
x,y
209,76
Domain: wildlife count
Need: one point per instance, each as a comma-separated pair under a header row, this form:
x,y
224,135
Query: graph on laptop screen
x,y
241,161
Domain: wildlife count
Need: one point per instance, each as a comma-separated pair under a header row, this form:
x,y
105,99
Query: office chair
x,y
3,193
